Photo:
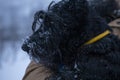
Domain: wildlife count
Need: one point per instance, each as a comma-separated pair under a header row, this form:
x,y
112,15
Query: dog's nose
x,y
25,47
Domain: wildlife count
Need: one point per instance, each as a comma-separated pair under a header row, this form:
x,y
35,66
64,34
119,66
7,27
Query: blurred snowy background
x,y
16,18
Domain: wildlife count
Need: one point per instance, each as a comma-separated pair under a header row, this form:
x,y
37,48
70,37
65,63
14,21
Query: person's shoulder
x,y
115,23
36,71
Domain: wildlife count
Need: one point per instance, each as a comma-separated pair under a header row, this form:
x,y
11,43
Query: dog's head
x,y
64,27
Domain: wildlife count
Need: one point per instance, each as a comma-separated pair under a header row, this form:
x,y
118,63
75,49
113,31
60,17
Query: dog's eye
x,y
36,26
38,19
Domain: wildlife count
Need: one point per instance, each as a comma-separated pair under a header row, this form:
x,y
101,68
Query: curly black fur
x,y
108,9
58,43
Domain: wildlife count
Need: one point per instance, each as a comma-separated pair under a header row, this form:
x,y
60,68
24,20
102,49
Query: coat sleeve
x,y
36,71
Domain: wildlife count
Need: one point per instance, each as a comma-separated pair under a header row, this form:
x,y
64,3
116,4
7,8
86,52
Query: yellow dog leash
x,y
100,36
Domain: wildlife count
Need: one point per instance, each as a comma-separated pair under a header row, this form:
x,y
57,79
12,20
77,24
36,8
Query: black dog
x,y
74,42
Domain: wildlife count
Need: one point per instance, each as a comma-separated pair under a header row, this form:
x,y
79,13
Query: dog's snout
x,y
25,46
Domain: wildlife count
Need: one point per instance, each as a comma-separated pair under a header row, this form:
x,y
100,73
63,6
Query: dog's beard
x,y
41,47
33,49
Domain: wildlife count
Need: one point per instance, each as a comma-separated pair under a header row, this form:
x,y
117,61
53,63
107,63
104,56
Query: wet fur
x,y
58,43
